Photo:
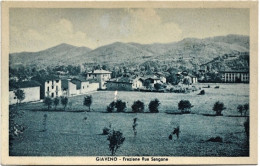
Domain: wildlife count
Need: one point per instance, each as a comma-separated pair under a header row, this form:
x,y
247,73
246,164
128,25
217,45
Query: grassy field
x,y
69,134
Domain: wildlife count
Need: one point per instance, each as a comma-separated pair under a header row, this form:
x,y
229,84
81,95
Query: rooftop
x,y
99,72
26,84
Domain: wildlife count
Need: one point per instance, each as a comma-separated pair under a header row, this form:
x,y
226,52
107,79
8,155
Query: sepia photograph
x,y
130,84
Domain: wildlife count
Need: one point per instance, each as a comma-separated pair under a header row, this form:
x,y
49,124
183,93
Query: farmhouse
x,y
31,90
124,83
68,88
235,76
78,86
101,76
52,88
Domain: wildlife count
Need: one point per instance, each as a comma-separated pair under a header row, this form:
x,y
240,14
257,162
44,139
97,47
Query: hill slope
x,y
188,52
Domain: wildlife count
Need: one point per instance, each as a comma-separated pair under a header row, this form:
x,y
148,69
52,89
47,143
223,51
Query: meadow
x,y
69,134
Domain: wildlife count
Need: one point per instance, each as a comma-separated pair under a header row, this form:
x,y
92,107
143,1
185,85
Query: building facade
x,y
124,83
52,88
235,76
101,76
31,91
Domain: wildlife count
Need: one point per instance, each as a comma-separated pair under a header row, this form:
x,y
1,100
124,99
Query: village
x,y
101,80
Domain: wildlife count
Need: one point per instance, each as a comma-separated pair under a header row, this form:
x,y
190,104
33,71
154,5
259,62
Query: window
x,y
52,94
14,97
48,89
57,88
56,93
52,87
48,82
57,81
83,87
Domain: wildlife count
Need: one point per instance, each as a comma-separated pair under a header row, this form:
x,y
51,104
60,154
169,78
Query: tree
x,y
240,109
138,106
48,101
120,106
19,94
88,101
116,139
186,81
64,101
246,108
153,105
218,108
158,86
111,107
185,106
56,102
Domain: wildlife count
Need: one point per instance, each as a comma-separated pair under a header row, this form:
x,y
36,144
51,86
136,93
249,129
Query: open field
x,y
69,134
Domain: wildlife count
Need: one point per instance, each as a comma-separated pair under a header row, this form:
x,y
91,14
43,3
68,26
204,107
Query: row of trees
x,y
137,107
48,101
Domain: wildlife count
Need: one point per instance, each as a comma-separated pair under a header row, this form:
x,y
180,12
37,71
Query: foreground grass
x,y
68,134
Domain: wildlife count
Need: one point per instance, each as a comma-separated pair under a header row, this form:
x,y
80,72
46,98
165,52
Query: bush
x,y
202,92
106,131
88,101
120,106
20,95
56,102
153,106
64,101
218,108
246,108
111,107
240,109
158,86
185,106
48,102
138,106
116,139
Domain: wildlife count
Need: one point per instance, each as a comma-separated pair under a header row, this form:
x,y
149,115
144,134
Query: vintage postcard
x,y
127,83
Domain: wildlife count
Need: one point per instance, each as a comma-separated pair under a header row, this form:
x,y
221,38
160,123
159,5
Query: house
x,y
31,91
81,85
235,76
68,88
186,76
101,76
161,76
124,83
77,86
52,87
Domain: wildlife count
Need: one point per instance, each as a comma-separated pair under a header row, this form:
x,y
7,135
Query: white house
x,y
31,91
52,88
101,76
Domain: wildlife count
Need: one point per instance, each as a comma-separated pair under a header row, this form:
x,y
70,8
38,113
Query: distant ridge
x,y
189,51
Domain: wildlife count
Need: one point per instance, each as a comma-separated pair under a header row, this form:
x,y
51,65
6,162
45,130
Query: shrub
x,y
158,86
64,101
56,102
138,106
134,126
48,102
185,106
111,107
240,109
246,108
202,92
218,108
106,131
120,106
88,101
116,139
153,105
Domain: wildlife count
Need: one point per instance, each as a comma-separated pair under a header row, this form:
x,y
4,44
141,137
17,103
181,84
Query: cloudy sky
x,y
38,29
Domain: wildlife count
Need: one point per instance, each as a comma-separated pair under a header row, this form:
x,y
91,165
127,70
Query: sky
x,y
35,29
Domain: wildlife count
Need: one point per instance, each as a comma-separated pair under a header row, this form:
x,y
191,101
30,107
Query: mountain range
x,y
188,52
